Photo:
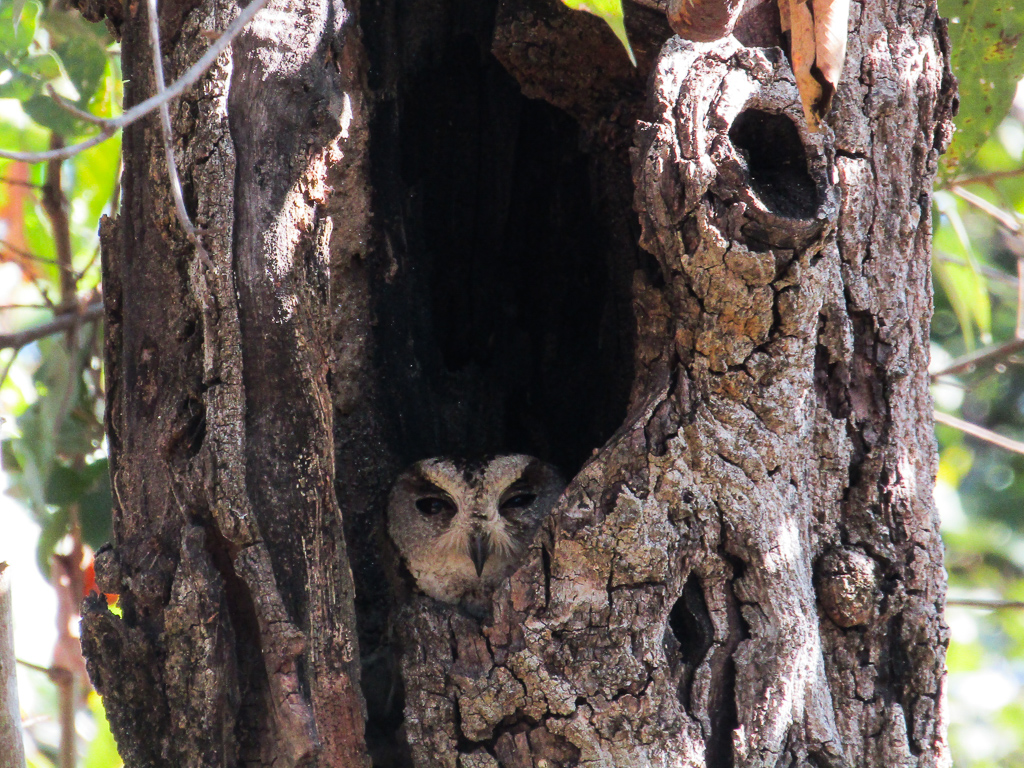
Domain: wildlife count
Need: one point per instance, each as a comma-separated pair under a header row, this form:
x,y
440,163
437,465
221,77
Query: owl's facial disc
x,y
479,550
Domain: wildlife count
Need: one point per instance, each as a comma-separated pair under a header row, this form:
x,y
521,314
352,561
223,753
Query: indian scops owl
x,y
463,526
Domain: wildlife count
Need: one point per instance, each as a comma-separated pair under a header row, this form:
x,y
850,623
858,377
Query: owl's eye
x,y
432,505
519,501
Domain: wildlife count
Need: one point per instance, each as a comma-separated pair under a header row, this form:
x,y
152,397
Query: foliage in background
x,y
52,452
979,318
985,39
51,391
51,388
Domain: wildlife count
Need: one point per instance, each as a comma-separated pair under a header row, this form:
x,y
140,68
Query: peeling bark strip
x,y
670,615
237,641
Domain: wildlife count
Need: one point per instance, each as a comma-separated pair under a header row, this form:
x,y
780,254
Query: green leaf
x,y
611,12
55,528
71,54
17,31
94,177
24,136
16,8
109,97
42,67
965,286
8,459
64,486
83,51
18,87
89,488
33,453
956,283
102,752
95,504
58,427
85,60
987,50
63,26
49,114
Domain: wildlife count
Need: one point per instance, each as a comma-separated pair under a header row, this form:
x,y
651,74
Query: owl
x,y
462,526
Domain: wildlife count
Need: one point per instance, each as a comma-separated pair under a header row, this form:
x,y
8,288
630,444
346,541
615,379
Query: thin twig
x,y
64,679
987,356
18,183
56,207
1008,220
986,178
190,76
982,603
979,432
989,272
92,260
43,293
36,667
25,254
7,368
63,103
61,154
23,306
168,136
57,325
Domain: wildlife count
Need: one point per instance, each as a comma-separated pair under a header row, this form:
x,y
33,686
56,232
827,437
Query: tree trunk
x,y
463,227
12,746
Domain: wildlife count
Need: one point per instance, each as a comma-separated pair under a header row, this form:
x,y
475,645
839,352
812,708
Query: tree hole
x,y
502,317
690,623
777,163
508,323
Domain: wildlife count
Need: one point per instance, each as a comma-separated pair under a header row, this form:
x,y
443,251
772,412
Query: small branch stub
x,y
703,21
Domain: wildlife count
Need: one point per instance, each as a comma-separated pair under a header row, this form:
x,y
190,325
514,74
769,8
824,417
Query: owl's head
x,y
463,526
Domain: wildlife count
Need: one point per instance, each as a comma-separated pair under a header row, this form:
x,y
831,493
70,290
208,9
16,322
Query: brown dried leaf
x,y
830,20
818,45
802,49
784,15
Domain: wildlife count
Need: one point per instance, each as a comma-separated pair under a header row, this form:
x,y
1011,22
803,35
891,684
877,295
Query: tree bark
x,y
236,643
12,745
469,227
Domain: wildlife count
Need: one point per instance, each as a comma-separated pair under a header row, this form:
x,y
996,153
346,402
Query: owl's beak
x,y
479,550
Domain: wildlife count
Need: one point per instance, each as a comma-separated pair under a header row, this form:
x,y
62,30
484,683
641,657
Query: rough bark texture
x,y
237,639
470,226
749,571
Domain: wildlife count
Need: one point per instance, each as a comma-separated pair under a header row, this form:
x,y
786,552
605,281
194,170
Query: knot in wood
x,y
703,20
727,143
848,586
